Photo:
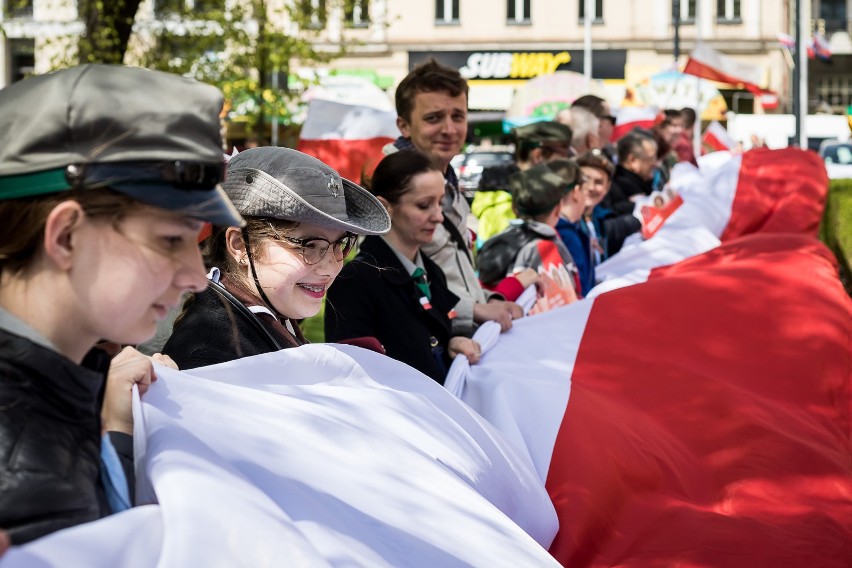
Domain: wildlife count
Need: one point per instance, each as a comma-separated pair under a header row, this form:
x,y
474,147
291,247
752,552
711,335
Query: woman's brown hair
x,y
22,221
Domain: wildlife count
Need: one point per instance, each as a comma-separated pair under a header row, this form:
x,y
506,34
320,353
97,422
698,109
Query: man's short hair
x,y
584,123
593,103
632,142
428,77
689,117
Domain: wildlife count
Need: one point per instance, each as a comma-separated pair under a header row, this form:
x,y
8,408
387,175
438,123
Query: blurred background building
x,y
501,45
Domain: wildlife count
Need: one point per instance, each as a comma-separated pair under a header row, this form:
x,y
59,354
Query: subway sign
x,y
520,65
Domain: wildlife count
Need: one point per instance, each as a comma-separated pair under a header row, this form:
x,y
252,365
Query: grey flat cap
x,y
151,135
287,184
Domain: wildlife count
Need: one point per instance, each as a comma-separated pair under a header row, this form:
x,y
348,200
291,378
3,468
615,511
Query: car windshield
x,y
839,154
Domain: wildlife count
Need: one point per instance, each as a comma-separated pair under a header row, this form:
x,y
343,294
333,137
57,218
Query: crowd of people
x,y
101,206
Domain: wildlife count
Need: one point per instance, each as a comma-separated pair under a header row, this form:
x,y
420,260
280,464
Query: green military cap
x,y
537,190
544,132
153,136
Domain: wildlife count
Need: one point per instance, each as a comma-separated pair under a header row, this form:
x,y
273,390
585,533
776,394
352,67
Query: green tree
x,y
108,25
246,48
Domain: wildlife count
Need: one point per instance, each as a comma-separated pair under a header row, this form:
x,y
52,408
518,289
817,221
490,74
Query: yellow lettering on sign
x,y
556,60
525,65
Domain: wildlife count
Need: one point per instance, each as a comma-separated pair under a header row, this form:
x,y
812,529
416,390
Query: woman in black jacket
x,y
302,219
100,208
393,292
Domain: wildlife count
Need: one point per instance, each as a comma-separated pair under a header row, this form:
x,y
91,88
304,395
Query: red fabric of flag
x,y
709,417
778,191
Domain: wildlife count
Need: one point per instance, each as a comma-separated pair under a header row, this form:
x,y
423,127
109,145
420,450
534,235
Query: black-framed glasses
x,y
313,249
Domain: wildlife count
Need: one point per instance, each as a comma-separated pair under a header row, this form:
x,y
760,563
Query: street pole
x,y
676,17
797,67
587,42
696,131
803,29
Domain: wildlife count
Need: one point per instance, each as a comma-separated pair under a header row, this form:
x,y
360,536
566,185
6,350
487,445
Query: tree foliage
x,y
246,47
108,25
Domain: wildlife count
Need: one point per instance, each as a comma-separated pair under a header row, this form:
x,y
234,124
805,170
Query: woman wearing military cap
x,y
106,175
302,221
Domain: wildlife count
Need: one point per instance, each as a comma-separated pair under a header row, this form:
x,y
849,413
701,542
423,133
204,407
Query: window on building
x,y
832,15
518,11
728,11
597,16
18,8
315,14
684,10
356,13
163,8
446,11
21,58
835,90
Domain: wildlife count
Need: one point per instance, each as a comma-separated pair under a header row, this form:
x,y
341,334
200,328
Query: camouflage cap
x,y
544,132
153,136
537,191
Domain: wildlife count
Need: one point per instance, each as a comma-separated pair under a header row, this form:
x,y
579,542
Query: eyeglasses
x,y
313,249
608,117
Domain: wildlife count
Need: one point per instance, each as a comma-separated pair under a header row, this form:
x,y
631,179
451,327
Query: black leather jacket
x,y
50,439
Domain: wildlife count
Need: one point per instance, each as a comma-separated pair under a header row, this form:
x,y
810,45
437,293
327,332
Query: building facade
x,y
502,44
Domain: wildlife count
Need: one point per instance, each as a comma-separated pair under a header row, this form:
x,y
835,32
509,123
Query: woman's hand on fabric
x,y
466,346
128,368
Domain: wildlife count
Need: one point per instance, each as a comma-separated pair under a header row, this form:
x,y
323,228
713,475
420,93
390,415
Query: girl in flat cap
x,y
302,219
101,199
391,290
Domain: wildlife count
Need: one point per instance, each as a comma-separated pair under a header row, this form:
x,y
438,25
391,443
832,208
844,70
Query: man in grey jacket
x,y
431,106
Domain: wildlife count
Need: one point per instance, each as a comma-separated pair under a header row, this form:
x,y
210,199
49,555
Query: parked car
x,y
836,152
838,158
469,166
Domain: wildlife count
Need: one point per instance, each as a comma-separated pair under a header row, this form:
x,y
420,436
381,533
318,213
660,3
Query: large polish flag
x,y
310,457
699,418
707,63
348,123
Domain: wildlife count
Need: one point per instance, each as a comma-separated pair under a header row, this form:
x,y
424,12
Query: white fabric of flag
x,y
317,456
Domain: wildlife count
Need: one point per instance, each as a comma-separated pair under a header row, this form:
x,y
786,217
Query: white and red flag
x,y
628,118
716,138
346,126
707,63
699,418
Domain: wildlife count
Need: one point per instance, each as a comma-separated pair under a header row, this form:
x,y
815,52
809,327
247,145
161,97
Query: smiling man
x,y
431,106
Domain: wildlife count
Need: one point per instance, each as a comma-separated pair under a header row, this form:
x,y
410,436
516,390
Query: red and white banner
x,y
707,63
701,418
716,138
628,118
